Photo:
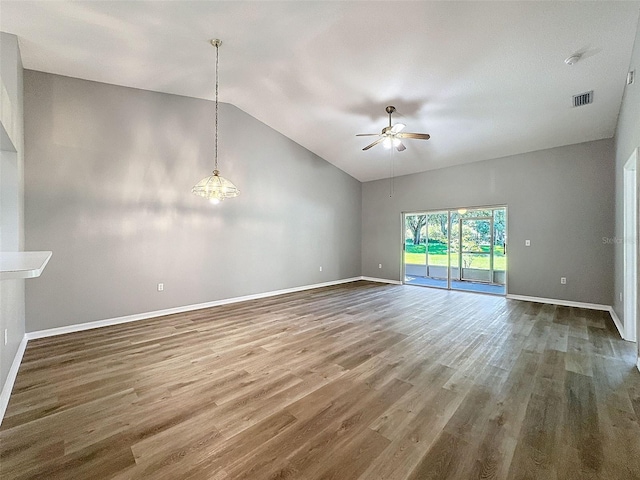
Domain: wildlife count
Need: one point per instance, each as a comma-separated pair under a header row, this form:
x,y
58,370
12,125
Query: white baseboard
x,y
563,303
638,364
11,378
169,311
570,303
381,280
618,323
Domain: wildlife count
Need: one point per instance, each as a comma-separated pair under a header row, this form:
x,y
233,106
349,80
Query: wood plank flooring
x,y
357,381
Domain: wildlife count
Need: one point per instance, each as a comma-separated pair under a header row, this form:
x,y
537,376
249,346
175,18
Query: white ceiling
x,y
485,79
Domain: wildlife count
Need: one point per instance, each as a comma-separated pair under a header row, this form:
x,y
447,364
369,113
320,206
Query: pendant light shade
x,y
214,187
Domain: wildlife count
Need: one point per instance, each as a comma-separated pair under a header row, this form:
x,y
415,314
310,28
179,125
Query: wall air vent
x,y
583,99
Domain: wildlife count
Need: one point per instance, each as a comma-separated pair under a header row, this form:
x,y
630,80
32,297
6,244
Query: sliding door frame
x,y
449,212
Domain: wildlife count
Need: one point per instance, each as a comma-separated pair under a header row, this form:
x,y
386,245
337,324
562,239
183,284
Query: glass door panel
x,y
437,249
476,249
454,247
500,246
415,247
426,248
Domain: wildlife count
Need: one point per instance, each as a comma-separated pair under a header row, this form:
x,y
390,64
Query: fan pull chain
x,y
391,183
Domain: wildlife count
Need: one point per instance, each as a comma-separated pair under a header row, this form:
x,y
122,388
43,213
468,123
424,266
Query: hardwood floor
x,y
357,381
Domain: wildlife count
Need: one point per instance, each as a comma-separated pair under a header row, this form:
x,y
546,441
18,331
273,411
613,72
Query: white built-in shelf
x,y
14,265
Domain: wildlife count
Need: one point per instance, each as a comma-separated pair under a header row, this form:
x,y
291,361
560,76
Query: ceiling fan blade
x,y
367,134
418,136
398,127
400,147
373,144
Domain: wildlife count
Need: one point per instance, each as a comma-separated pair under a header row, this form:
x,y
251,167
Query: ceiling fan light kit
x,y
214,187
392,135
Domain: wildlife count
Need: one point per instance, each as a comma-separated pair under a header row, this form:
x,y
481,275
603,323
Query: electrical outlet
x,y
527,243
320,268
161,287
563,280
379,265
6,337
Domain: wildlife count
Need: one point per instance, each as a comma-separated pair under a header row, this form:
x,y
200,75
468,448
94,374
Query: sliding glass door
x,y
462,249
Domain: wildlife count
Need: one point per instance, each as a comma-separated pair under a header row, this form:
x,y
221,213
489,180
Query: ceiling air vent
x,y
583,99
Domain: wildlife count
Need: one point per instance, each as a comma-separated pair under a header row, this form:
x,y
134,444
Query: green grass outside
x,y
441,248
415,254
480,261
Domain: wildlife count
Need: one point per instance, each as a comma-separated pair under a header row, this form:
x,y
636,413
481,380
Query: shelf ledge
x,y
16,265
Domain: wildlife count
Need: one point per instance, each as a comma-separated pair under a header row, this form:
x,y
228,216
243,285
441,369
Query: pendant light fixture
x,y
216,188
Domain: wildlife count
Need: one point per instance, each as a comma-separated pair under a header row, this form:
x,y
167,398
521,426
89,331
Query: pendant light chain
x,y
216,188
216,147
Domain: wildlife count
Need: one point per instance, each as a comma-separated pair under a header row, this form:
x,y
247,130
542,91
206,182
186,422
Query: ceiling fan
x,y
392,136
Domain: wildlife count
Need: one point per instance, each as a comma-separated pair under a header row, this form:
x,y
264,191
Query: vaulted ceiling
x,y
485,79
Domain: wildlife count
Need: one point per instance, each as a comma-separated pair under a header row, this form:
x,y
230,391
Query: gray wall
x,y
562,199
627,138
108,174
12,306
